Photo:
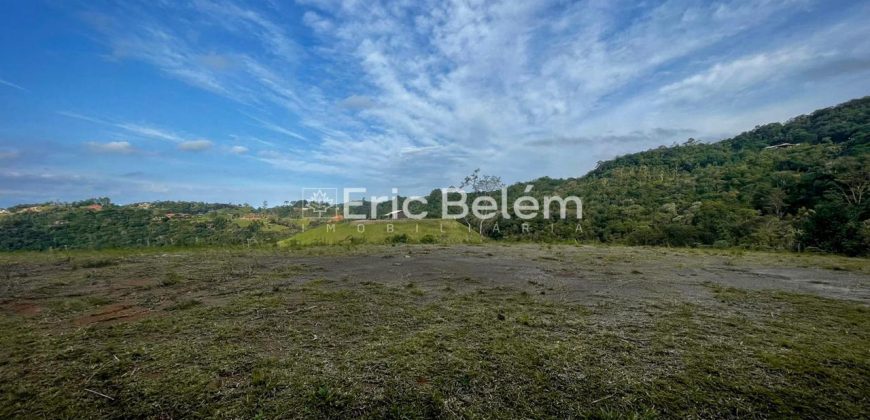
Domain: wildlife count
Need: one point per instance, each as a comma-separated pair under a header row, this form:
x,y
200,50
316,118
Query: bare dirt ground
x,y
626,279
586,274
492,330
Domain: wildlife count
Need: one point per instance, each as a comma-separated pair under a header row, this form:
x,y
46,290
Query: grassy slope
x,y
267,226
375,232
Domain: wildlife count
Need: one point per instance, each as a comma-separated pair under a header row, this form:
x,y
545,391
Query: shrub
x,y
398,239
97,263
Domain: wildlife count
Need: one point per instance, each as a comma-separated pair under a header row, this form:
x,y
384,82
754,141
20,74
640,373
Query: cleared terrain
x,y
487,330
385,231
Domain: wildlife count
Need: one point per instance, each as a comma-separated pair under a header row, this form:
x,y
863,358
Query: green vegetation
x,y
737,192
802,185
379,232
97,224
257,334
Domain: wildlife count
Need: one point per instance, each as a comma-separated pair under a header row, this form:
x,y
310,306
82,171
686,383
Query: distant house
x,y
398,214
94,207
782,146
4,211
144,205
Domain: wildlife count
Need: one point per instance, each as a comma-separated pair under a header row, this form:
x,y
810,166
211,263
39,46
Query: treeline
x,y
169,223
800,185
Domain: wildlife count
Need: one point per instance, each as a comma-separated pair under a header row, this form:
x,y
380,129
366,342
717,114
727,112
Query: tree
x,y
481,183
852,178
776,200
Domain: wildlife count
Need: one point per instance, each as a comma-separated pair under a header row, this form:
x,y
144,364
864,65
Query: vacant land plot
x,y
434,331
386,231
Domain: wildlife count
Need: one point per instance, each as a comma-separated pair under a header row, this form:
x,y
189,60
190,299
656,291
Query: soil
x,y
139,285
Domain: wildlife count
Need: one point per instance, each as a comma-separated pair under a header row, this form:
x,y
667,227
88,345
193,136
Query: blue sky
x,y
250,101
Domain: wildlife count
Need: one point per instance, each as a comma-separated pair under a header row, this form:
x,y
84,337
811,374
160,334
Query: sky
x,y
225,101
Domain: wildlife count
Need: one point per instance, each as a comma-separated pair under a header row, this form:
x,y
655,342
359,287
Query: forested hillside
x,y
97,223
810,192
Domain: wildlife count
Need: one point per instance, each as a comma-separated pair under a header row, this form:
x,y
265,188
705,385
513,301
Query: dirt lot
x,y
587,275
430,331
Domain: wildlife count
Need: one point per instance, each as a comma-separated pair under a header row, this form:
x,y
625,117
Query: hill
x,y
97,223
798,185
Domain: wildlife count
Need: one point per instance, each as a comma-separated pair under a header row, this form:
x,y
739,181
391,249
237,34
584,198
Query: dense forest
x,y
801,185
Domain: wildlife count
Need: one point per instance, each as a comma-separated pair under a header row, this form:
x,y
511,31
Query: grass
x,y
253,334
382,231
266,225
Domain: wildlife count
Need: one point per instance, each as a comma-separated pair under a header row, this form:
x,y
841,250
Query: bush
x,y
171,279
97,263
428,239
398,239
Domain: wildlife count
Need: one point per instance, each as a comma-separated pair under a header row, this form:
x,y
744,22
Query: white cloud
x,y
357,102
218,62
742,73
119,147
279,129
485,79
195,145
87,118
250,21
132,128
317,22
436,88
12,85
239,150
152,132
296,162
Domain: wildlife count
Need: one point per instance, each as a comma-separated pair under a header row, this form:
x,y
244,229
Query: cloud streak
x,y
137,129
13,85
117,147
195,145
